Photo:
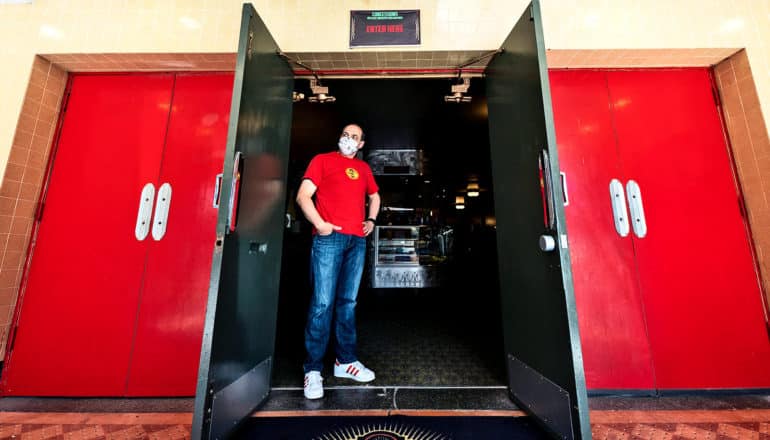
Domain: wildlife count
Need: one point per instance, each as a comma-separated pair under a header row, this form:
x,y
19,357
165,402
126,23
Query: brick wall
x,y
751,149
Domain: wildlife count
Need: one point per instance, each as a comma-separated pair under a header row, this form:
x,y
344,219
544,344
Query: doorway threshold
x,y
390,400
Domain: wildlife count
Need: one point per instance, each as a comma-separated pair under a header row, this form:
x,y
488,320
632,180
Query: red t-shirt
x,y
342,186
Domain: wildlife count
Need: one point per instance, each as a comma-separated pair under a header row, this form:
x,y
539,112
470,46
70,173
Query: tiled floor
x,y
82,426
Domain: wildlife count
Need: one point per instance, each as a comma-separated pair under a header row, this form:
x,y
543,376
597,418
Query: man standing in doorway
x,y
340,183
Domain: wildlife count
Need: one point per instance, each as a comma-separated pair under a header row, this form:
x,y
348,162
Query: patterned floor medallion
x,y
386,431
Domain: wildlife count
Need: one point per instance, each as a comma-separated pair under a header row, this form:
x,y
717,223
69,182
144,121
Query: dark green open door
x,y
239,333
542,344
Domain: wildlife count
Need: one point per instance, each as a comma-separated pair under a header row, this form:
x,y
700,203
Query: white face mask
x,y
347,146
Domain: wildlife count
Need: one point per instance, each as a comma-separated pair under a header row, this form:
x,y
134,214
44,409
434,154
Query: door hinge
x,y
742,208
13,339
40,212
66,100
715,95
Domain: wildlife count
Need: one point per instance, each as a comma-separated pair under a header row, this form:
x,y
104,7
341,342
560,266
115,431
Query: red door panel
x,y
616,352
173,301
699,285
79,305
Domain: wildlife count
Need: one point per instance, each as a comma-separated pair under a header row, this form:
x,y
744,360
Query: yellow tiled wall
x,y
117,26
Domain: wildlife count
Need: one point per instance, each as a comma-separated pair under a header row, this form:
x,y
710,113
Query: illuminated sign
x,y
384,28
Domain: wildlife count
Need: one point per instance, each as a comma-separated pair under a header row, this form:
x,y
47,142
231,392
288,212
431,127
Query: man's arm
x,y
305,202
374,209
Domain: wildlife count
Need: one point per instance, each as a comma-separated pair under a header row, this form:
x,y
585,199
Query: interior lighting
x,y
459,202
473,189
732,25
320,93
190,23
591,20
458,92
51,32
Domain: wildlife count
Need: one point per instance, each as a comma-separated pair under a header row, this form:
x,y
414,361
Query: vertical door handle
x,y
619,213
162,204
145,212
638,220
217,190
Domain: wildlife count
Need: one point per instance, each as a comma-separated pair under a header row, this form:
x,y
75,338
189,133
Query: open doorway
x,y
541,346
428,311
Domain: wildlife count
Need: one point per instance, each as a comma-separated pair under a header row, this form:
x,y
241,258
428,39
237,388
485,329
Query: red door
x,y
683,295
78,308
104,313
700,288
616,352
173,301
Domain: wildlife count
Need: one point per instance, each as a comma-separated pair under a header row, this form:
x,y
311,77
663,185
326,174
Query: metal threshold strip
x,y
383,401
392,412
398,387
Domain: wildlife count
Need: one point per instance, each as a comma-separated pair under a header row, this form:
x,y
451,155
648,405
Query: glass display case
x,y
409,256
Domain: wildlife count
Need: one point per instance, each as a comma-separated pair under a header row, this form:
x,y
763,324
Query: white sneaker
x,y
354,370
314,388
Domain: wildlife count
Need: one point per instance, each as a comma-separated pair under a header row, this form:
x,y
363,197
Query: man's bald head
x,y
354,128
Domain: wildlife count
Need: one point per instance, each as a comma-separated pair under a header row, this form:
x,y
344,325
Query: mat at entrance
x,y
390,428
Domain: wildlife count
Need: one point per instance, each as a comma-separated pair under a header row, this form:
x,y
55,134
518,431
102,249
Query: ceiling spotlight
x,y
459,202
458,92
297,96
320,93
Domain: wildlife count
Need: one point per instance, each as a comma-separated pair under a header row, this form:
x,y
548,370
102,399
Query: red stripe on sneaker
x,y
350,368
336,362
355,371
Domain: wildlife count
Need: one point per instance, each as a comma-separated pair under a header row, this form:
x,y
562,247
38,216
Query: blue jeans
x,y
336,265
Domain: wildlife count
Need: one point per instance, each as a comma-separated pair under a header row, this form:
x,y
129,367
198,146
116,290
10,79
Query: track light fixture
x,y
297,96
458,92
320,93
